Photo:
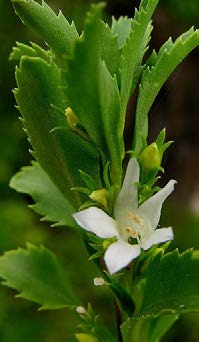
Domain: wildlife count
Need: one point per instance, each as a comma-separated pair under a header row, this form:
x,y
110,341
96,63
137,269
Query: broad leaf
x,y
134,50
149,329
49,201
121,29
38,276
159,69
93,94
61,153
54,29
172,284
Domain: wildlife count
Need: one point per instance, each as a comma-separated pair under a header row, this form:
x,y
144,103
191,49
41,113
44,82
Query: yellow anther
x,y
128,230
135,233
130,216
138,220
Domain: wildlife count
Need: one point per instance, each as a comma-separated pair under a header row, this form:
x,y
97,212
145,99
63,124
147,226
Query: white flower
x,y
131,223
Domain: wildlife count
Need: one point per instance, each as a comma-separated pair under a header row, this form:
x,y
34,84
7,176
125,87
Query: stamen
x,y
137,219
134,233
128,230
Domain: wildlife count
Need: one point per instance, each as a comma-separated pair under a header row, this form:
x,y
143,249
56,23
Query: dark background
x,y
175,108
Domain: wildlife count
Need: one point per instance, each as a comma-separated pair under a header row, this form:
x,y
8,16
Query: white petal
x,y
128,195
151,209
96,221
119,255
158,236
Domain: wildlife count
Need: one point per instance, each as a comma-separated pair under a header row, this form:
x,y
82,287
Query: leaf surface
x,y
49,201
160,66
61,153
172,284
54,29
38,276
134,50
93,94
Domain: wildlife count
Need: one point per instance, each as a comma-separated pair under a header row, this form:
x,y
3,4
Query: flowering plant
x,y
73,98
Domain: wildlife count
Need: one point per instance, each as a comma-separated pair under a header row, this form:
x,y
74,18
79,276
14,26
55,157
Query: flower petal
x,y
119,255
128,195
151,209
158,236
96,221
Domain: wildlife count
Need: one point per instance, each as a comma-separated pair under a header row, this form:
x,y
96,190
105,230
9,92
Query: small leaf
x,y
172,284
169,57
134,50
121,29
36,273
54,29
25,50
49,201
109,51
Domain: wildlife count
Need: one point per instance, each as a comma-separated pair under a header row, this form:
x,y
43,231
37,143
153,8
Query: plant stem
x,y
118,320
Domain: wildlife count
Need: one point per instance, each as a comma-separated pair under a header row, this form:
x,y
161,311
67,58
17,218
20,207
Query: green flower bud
x,y
100,196
74,124
150,158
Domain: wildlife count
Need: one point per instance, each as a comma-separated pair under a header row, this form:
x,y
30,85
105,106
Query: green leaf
x,y
36,273
121,29
172,284
134,50
54,29
61,153
159,69
94,96
49,201
150,329
109,51
25,50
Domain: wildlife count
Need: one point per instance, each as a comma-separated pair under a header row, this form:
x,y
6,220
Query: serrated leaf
x,y
168,58
109,51
121,29
49,201
54,29
150,329
172,284
134,50
61,153
38,276
25,50
93,94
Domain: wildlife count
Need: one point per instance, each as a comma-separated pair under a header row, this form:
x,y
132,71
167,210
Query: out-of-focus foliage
x,y
18,223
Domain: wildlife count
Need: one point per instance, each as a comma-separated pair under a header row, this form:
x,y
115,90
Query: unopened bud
x,y
101,197
150,158
80,310
74,123
98,281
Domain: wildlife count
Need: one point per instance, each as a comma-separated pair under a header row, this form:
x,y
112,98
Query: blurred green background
x,y
175,108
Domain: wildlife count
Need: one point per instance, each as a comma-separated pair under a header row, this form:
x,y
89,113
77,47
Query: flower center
x,y
134,227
